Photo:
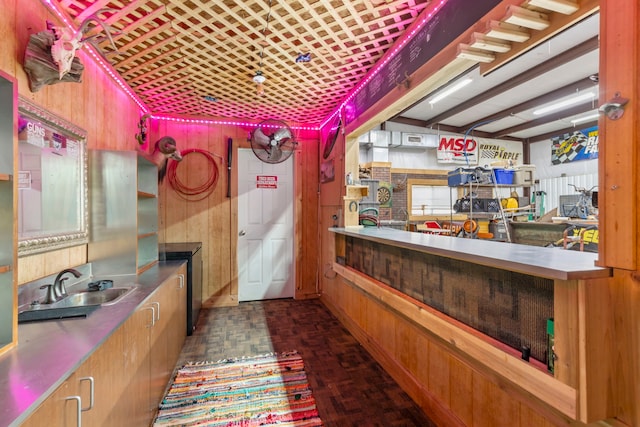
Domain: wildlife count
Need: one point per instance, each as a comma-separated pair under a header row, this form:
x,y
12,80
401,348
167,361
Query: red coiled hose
x,y
199,192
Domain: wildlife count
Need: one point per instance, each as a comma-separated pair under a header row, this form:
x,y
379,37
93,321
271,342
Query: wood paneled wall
x,y
213,220
97,105
110,117
449,388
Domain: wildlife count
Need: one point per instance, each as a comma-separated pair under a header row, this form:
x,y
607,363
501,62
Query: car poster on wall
x,y
578,145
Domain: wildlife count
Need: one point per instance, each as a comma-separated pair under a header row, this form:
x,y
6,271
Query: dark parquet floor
x,y
350,387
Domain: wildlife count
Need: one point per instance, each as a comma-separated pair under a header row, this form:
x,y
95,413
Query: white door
x,y
265,228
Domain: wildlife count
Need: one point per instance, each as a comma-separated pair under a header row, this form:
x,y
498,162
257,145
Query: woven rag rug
x,y
264,390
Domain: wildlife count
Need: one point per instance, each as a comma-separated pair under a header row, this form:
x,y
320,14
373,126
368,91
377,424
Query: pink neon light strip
x,y
127,89
224,122
106,66
386,58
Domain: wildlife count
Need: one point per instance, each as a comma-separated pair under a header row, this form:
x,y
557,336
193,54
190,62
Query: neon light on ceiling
x,y
127,89
105,66
386,58
223,122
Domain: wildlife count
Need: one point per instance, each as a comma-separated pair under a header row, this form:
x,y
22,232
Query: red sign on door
x,y
266,181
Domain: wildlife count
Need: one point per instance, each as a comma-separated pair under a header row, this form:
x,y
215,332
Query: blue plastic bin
x,y
504,176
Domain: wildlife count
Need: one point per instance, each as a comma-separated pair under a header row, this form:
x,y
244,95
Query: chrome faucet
x,y
59,290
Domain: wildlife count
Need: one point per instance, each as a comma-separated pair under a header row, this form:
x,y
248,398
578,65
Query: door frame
x,y
288,176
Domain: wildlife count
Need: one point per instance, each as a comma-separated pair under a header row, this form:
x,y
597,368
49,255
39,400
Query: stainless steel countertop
x,y
49,352
550,263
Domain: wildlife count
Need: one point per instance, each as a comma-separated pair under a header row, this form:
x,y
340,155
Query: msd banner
x,y
454,149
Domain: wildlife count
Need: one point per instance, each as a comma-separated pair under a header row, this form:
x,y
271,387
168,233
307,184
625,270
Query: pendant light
x,y
259,78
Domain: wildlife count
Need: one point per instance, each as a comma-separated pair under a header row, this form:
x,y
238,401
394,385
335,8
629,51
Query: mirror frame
x,y
52,241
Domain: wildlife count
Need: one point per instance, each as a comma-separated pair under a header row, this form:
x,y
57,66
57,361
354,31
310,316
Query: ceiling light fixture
x,y
451,89
586,118
565,103
505,31
465,52
259,77
526,18
480,41
566,7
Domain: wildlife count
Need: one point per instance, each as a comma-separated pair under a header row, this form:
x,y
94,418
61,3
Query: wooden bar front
x,y
453,370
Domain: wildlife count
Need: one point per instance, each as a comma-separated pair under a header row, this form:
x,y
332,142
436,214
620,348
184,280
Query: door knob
x,y
242,233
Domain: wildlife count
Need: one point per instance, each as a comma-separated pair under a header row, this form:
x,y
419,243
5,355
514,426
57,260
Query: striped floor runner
x,y
255,391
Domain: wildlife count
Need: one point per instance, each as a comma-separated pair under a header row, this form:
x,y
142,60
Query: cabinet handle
x,y
79,406
181,276
91,392
158,316
153,316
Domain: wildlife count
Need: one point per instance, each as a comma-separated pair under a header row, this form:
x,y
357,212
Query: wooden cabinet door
x,y
132,405
158,350
101,380
178,322
165,335
61,409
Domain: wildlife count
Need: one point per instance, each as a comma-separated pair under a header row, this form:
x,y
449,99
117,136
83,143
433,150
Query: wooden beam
x,y
567,90
618,155
583,108
542,68
559,132
557,23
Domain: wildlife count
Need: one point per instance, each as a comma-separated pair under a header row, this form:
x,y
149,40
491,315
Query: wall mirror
x,y
52,181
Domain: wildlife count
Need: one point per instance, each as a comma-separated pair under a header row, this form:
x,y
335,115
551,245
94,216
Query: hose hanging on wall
x,y
199,192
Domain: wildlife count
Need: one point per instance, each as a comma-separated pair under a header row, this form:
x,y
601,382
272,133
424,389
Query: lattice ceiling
x,y
179,55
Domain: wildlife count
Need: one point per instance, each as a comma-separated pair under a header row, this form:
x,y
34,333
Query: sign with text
x,y
455,149
266,181
578,145
24,180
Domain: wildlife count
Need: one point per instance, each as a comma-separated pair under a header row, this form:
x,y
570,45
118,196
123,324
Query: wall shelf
x,y
147,214
143,195
144,235
498,212
357,191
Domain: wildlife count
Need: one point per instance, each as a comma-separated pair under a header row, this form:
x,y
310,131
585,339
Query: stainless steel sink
x,y
78,304
37,314
105,297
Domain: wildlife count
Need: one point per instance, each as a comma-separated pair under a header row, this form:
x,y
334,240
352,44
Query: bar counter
x,y
485,302
550,263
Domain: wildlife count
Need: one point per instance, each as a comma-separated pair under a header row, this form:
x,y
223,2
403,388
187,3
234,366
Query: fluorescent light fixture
x,y
465,52
586,118
526,18
480,41
505,31
562,104
453,88
566,7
